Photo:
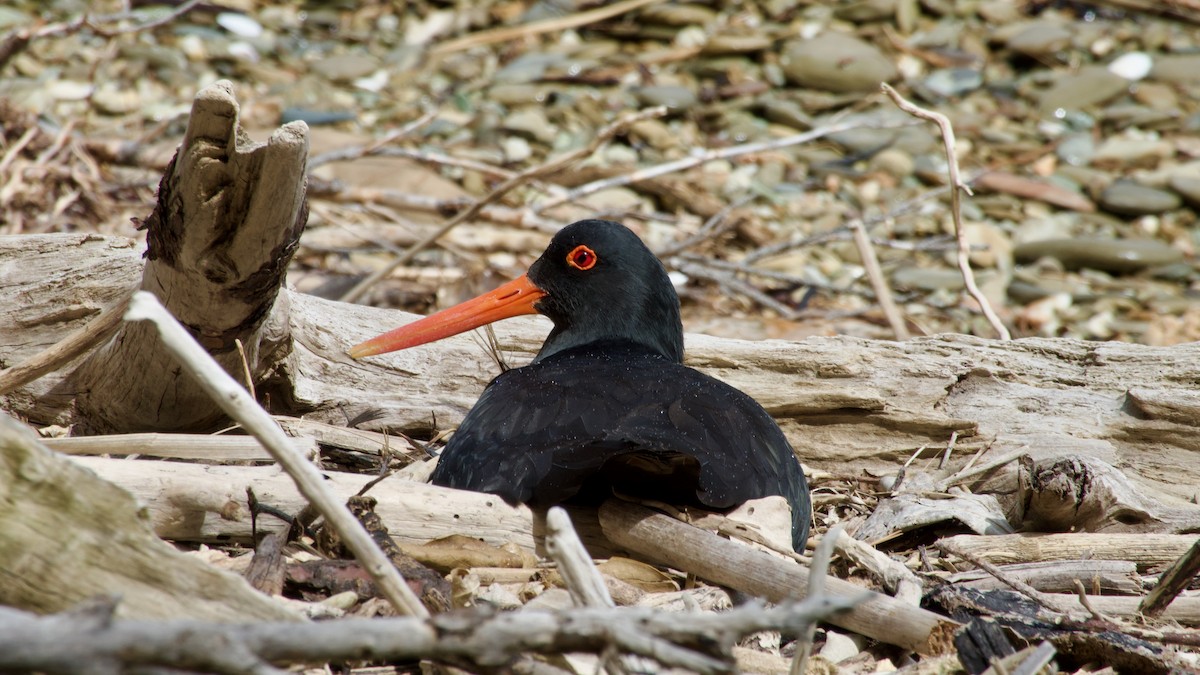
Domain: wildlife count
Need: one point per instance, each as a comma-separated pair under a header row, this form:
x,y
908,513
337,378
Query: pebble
x,y
952,82
1177,69
673,96
532,124
1100,253
345,68
836,62
1076,149
1122,151
1131,199
1132,65
1188,187
240,25
1088,86
1041,38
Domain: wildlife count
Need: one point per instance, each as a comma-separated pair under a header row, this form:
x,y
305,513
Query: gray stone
x,y
673,96
1040,38
345,67
1088,86
1131,199
1179,68
1109,255
836,62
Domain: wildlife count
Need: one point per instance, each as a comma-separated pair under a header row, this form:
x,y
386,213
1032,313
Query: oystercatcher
x,y
607,404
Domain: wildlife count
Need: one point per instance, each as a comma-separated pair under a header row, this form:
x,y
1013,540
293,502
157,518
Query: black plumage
x,y
607,404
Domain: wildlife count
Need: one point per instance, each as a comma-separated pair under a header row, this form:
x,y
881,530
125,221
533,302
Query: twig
x,y
1178,577
998,462
556,24
1087,604
883,293
732,283
707,156
234,400
714,226
64,351
1017,585
484,640
816,589
373,148
516,181
957,187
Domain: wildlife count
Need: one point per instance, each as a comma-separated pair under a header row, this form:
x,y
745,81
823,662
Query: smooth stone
x,y
517,94
1132,65
1076,149
1108,255
1187,186
112,100
1131,199
928,279
836,62
951,82
531,123
1122,150
865,11
527,67
1177,68
894,162
1089,86
1040,38
730,43
673,96
240,25
1158,96
345,67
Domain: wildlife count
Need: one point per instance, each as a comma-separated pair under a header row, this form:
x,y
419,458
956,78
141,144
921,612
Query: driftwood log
x,y
219,241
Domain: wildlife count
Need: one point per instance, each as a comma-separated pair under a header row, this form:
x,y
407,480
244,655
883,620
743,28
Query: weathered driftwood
x,y
89,640
1059,576
229,214
1146,550
66,536
845,403
710,557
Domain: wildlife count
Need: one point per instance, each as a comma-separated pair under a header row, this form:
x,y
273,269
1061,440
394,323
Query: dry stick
x,y
491,640
710,156
883,293
957,187
64,351
816,589
732,283
373,148
740,567
587,589
554,25
1017,585
1000,461
234,400
516,181
1178,577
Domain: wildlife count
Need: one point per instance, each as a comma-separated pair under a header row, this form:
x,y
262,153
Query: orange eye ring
x,y
582,258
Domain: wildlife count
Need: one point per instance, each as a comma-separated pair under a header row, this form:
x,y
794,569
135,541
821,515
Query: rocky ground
x,y
1075,126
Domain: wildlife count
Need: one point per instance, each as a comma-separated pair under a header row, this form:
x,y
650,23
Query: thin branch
x,y
707,156
816,589
480,639
957,188
373,148
883,292
1177,578
234,400
507,186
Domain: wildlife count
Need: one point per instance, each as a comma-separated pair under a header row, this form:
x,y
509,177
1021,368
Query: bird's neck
x,y
561,341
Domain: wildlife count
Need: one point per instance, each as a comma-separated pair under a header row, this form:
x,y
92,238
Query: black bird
x,y
607,404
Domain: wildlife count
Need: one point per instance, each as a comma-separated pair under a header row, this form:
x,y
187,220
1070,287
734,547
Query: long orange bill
x,y
515,298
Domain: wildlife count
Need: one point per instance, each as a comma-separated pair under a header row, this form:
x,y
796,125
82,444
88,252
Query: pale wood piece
x,y
66,536
206,447
191,502
721,561
1058,576
895,577
229,215
1145,550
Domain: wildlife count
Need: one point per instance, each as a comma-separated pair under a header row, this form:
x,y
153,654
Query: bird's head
x,y
596,281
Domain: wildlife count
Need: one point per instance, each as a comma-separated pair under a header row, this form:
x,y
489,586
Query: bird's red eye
x,y
582,258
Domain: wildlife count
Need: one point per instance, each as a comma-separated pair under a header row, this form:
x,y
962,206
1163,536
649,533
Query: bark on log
x,y
66,536
229,215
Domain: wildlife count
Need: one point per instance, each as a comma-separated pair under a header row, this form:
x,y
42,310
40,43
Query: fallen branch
x,y
90,640
238,404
